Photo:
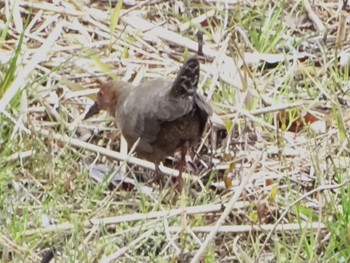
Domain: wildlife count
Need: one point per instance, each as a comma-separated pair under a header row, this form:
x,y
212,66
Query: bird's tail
x,y
187,79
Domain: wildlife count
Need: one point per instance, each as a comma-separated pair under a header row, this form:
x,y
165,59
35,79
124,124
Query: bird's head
x,y
107,98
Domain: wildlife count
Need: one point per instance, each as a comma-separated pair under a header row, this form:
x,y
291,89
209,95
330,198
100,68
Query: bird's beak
x,y
94,109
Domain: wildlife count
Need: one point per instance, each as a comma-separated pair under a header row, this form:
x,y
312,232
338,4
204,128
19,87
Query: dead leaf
x,y
294,121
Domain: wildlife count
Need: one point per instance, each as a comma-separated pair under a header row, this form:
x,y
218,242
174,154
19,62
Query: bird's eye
x,y
100,93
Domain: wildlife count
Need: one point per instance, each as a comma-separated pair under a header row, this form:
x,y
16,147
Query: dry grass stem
x,y
273,161
129,218
199,254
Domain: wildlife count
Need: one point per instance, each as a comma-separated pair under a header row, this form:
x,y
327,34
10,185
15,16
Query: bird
x,y
166,116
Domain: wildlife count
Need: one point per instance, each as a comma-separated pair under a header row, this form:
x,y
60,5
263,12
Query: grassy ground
x,y
270,180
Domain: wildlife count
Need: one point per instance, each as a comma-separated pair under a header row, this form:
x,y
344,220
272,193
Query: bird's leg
x,y
159,179
158,174
182,165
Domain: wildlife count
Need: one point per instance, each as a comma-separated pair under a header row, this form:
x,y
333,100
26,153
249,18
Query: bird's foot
x,y
159,177
179,183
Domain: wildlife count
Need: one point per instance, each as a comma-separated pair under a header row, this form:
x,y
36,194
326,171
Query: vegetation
x,y
269,180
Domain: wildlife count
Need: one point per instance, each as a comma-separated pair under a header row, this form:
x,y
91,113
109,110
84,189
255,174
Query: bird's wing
x,y
157,103
150,105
